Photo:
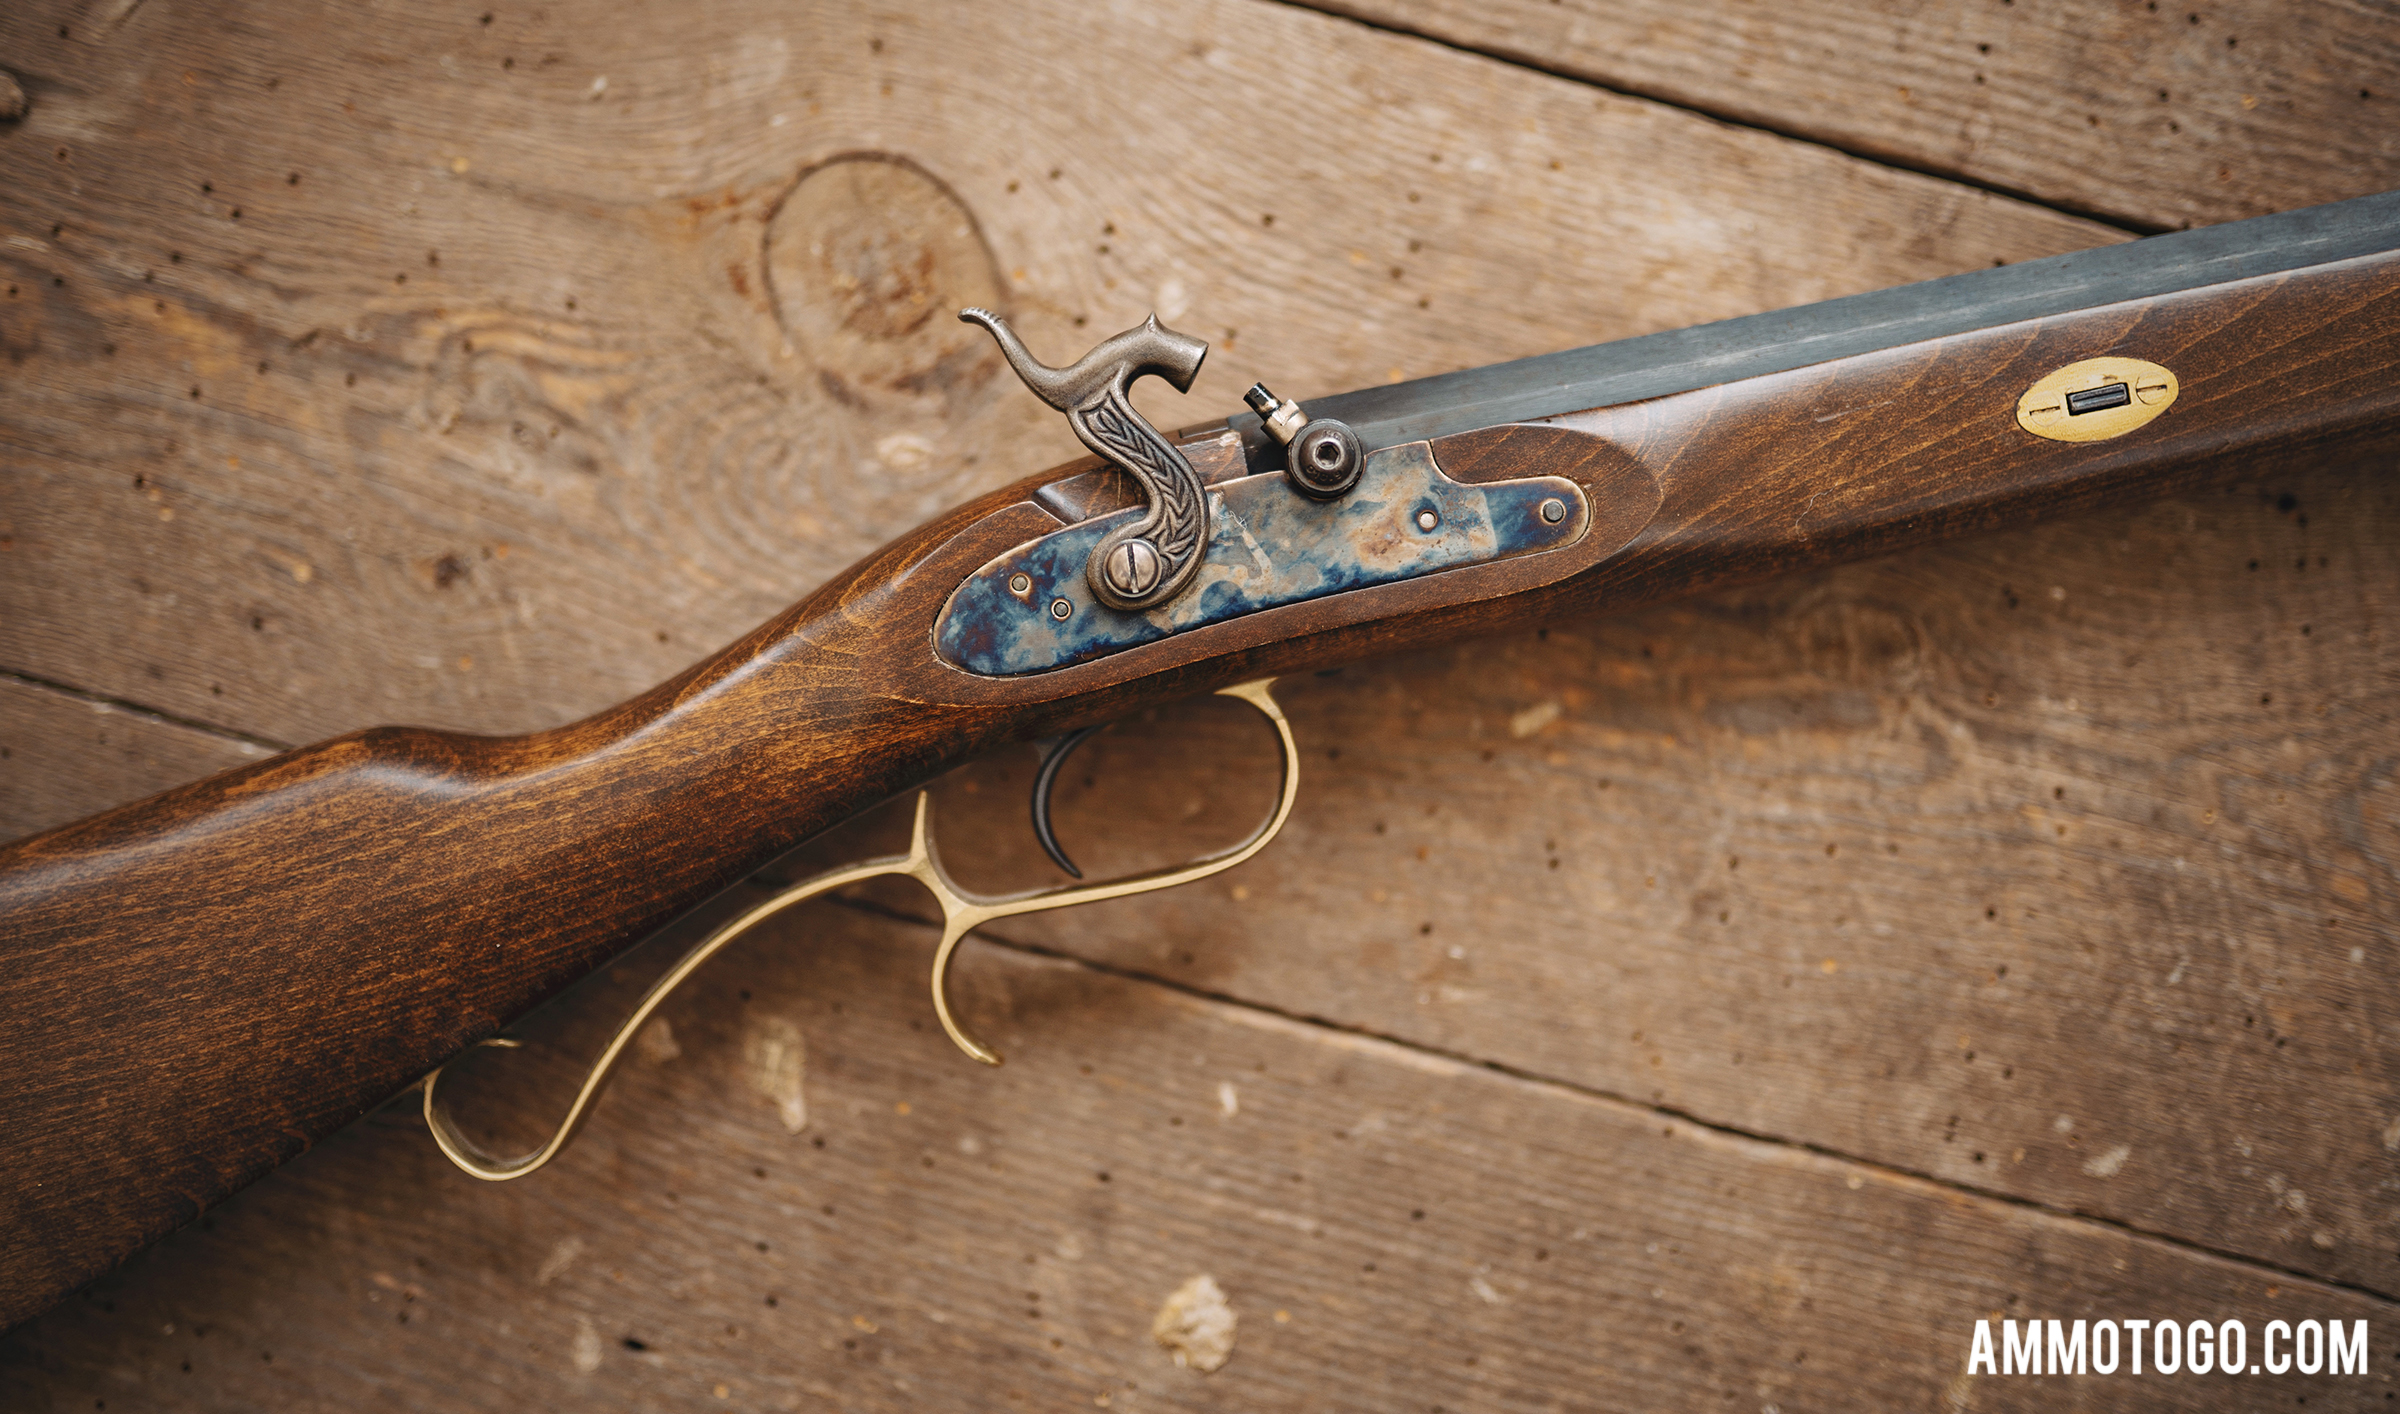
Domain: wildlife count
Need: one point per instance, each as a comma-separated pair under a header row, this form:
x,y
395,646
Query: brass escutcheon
x,y
2118,394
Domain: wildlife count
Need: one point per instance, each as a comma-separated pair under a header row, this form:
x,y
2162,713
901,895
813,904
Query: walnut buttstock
x,y
200,985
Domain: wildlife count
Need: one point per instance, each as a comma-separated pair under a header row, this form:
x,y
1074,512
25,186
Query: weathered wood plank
x,y
518,375
1393,1231
63,757
493,524
2164,116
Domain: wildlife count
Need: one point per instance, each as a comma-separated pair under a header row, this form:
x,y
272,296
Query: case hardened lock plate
x,y
1032,610
2096,399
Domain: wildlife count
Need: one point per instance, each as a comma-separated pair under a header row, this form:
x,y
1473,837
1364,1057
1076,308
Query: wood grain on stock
x,y
232,970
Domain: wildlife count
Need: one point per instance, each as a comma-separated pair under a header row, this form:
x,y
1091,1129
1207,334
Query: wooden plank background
x,y
1724,1004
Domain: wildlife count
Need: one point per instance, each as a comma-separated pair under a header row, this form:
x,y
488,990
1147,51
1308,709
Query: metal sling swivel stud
x,y
962,912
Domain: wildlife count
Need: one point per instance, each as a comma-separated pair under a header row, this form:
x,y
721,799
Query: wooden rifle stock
x,y
200,985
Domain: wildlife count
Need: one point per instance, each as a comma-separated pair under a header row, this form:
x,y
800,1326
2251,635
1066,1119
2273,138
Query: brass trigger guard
x,y
962,913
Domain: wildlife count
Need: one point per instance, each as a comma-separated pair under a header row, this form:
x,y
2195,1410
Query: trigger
x,y
1044,780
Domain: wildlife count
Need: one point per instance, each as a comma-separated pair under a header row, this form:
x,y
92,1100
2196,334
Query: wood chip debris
x,y
1196,1325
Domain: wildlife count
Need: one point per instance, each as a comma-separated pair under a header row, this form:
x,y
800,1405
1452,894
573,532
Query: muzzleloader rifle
x,y
198,986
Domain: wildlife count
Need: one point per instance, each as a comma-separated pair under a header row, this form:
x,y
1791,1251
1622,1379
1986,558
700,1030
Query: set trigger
x,y
1055,751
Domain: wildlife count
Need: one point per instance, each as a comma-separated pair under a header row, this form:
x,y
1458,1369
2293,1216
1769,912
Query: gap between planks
x,y
1421,1056
1409,1052
101,699
1788,134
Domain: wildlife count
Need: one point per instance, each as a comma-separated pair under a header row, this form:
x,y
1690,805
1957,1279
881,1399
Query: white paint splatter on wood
x,y
561,1257
1534,718
904,451
777,1058
656,1042
1196,1325
2107,1162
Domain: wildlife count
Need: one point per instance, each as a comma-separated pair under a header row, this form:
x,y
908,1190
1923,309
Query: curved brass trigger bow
x,y
962,912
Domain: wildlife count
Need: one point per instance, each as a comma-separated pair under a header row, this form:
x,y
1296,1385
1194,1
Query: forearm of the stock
x,y
1871,454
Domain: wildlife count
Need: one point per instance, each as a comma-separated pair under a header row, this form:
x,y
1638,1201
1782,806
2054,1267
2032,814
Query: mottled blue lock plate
x,y
1030,611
